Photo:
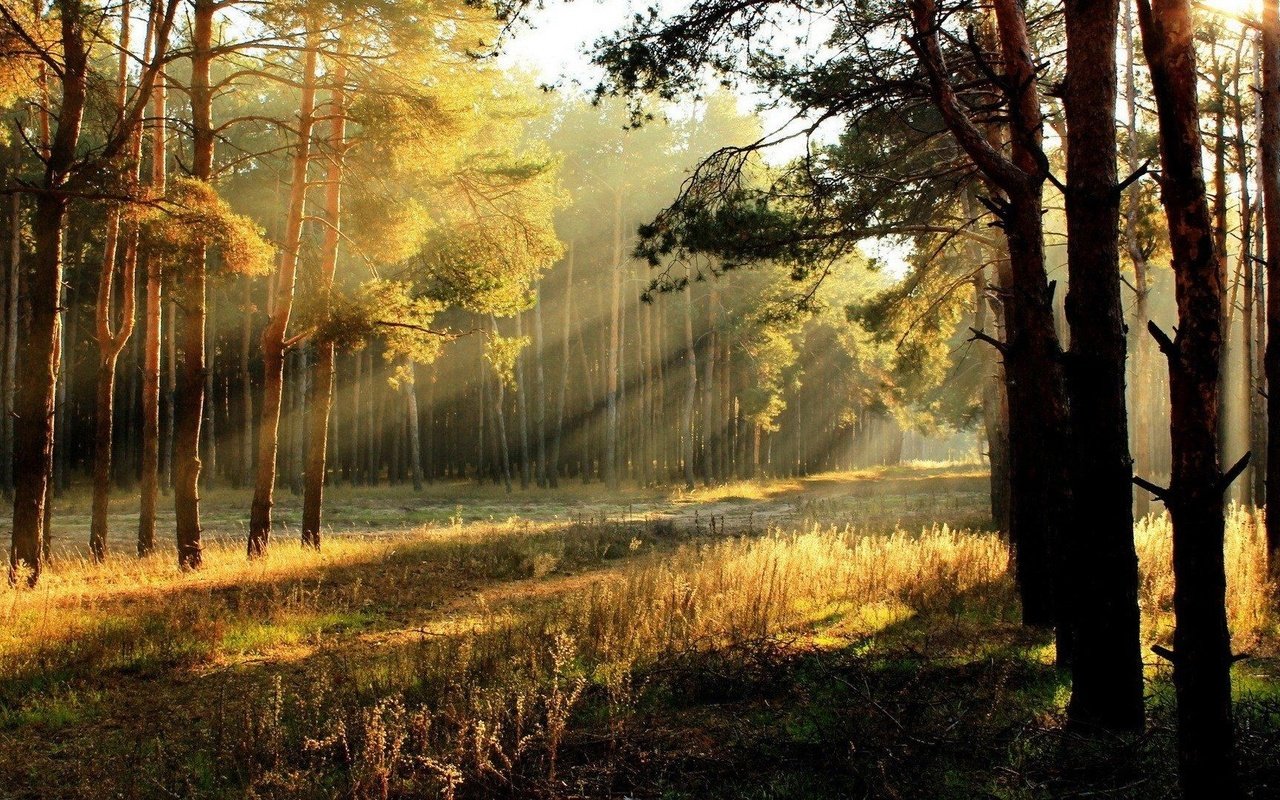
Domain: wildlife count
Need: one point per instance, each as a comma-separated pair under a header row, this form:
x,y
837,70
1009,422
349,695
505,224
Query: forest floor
x,y
844,635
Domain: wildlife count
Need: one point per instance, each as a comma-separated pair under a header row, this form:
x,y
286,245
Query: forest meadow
x,y
711,399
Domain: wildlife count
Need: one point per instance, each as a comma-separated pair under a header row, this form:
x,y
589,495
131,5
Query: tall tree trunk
x,y
1246,269
1032,353
553,460
323,377
994,408
410,390
522,409
615,349
710,431
190,297
153,315
300,396
246,384
691,381
34,402
273,337
499,406
170,396
1106,685
540,387
1140,345
10,387
209,428
1269,156
1259,262
1202,644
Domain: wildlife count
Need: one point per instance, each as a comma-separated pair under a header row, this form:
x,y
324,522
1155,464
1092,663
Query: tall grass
x,y
458,661
1250,595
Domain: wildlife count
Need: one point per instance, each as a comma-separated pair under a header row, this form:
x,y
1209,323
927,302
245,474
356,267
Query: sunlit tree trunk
x,y
190,297
615,349
553,461
499,406
274,345
522,408
410,390
710,433
1202,644
1139,343
1246,401
370,421
1218,108
323,376
540,388
153,317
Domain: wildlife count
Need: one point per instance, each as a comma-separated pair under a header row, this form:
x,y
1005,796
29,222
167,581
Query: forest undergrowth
x,y
639,655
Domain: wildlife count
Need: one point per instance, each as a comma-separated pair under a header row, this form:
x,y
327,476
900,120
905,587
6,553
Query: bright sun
x,y
1230,6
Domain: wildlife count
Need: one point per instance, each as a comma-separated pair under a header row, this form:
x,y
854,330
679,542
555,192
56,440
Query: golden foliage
x,y
192,215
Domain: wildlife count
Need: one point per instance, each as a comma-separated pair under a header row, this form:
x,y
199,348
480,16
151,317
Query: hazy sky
x,y
554,50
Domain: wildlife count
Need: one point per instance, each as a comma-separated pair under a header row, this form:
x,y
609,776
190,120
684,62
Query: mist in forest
x,y
423,398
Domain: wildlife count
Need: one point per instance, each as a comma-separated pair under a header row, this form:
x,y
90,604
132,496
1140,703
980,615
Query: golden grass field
x,y
573,648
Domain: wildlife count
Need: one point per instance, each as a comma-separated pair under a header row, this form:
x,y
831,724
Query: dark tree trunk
x,y
1039,444
10,386
33,445
1202,644
34,401
691,384
1269,156
1106,686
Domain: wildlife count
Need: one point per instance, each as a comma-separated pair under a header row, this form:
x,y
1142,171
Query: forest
x,y
718,399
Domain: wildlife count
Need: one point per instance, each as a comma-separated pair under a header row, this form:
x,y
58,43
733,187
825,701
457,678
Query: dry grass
x,y
458,660
1250,595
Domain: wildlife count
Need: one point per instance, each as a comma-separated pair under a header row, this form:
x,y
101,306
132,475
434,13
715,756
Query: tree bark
x,y
1202,644
553,461
190,297
1269,156
273,337
9,389
34,401
410,390
691,381
1106,686
323,376
615,349
1032,352
522,410
153,315
540,387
